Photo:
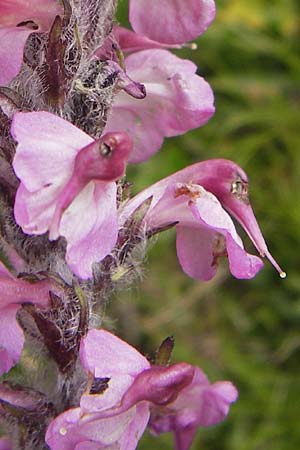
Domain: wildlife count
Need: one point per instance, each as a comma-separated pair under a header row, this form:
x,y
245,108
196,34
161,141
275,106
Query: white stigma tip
x,y
282,274
63,431
190,45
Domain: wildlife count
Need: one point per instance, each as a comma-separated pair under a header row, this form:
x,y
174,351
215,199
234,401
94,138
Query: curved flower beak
x,y
230,185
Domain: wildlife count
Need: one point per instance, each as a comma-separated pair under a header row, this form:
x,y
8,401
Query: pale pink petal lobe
x,y
169,21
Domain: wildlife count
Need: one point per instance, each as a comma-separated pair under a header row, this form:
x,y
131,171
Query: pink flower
x,y
196,199
200,404
115,410
68,185
177,100
14,292
18,19
169,21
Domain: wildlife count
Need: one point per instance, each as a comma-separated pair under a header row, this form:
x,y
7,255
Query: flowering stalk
x,y
80,98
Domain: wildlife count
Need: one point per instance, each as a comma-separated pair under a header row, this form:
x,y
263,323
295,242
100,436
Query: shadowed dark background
x,y
245,331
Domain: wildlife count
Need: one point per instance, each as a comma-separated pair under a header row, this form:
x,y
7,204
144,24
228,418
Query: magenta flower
x,y
196,200
14,292
115,410
68,185
169,21
18,19
177,100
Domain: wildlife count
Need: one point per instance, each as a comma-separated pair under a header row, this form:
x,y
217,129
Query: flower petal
x,y
72,430
172,22
136,428
242,265
5,444
11,52
216,402
195,252
90,226
200,403
43,12
177,100
47,146
34,210
107,354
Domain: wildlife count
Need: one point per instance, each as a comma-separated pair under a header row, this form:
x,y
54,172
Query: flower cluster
x,y
125,391
80,98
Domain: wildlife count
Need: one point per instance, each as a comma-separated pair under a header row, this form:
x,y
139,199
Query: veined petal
x,y
171,22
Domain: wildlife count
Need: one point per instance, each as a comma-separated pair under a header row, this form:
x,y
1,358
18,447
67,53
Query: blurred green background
x,y
245,331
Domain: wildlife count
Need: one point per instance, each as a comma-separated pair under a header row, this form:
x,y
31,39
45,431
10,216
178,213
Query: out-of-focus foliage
x,y
245,331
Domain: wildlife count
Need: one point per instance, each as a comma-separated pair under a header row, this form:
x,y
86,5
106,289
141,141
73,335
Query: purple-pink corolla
x,y
200,404
197,200
177,100
14,292
170,21
124,388
18,19
5,444
68,185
